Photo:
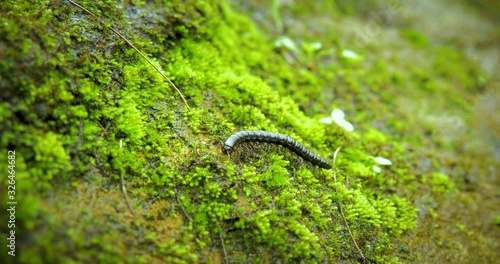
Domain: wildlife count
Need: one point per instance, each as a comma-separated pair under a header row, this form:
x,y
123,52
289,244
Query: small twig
x,y
350,233
223,248
124,191
334,162
135,48
182,207
340,206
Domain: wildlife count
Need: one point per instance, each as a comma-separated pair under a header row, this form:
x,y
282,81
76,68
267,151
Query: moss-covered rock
x,y
85,113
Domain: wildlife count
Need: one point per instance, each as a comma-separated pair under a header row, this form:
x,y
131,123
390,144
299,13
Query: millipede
x,y
278,139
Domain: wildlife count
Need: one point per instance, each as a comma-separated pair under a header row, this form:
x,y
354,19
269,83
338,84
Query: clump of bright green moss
x,y
83,109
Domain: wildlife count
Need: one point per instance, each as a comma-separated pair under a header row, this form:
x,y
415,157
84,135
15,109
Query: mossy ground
x,y
73,92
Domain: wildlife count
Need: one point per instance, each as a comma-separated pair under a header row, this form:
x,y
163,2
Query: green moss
x,y
376,136
454,65
52,159
277,175
440,182
416,38
497,220
83,109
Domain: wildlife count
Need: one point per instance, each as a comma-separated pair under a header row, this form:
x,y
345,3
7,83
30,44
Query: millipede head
x,y
227,149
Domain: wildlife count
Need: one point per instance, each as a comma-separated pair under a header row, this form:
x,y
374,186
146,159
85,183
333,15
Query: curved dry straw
x,y
340,206
135,48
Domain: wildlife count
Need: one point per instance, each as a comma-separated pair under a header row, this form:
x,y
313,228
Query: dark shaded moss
x,y
81,108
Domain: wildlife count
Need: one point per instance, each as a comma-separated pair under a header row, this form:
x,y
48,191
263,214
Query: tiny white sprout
x,y
337,114
316,46
376,169
338,117
350,54
382,161
347,126
120,143
285,42
326,120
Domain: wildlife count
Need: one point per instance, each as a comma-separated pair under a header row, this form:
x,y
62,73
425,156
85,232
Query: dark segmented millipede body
x,y
278,139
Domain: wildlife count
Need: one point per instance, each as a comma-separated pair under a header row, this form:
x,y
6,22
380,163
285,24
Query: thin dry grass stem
x,y
124,190
334,161
340,206
136,49
223,248
186,215
350,234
